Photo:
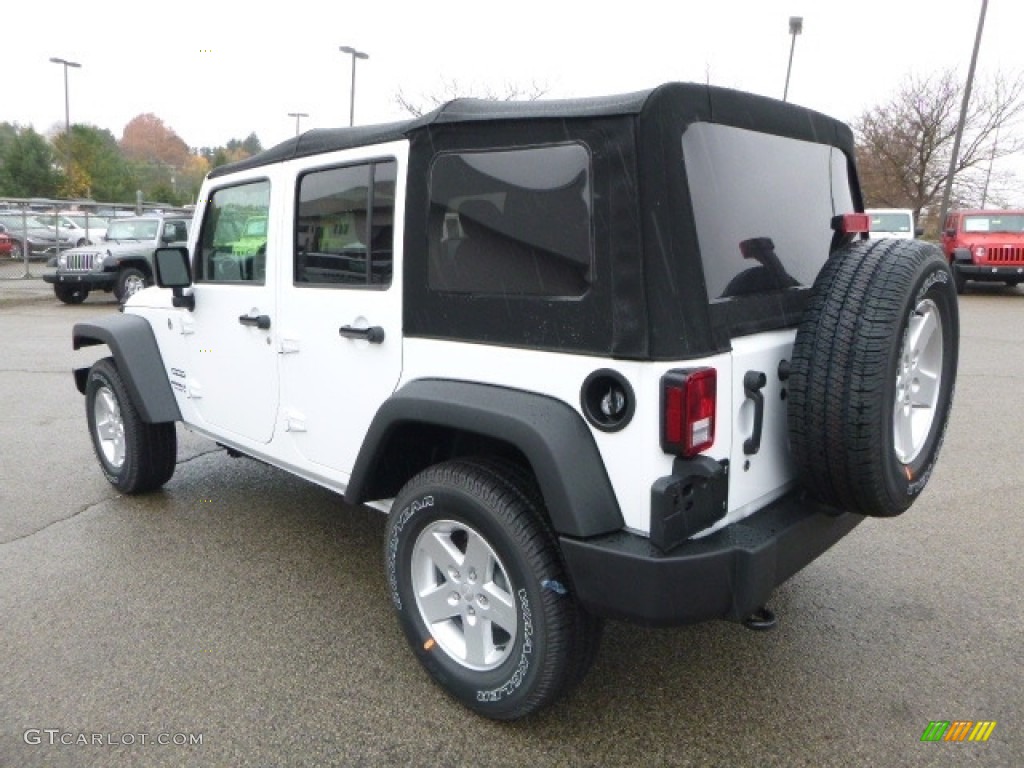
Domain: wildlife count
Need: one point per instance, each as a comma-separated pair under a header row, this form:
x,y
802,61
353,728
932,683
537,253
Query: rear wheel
x,y
480,591
135,456
71,294
873,373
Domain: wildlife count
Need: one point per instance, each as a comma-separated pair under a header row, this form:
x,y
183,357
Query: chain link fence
x,y
34,231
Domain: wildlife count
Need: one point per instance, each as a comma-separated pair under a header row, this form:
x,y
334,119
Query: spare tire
x,y
872,375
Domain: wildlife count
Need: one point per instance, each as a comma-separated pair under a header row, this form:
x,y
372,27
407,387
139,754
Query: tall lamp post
x,y
298,116
947,192
352,93
67,108
796,26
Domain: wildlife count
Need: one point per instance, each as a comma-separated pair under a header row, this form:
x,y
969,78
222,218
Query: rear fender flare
x,y
553,438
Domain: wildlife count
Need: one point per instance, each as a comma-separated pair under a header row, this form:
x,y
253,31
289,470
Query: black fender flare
x,y
137,355
551,435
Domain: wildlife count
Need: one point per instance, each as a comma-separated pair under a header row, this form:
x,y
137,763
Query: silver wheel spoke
x,y
501,608
478,560
479,642
442,552
437,604
922,328
924,389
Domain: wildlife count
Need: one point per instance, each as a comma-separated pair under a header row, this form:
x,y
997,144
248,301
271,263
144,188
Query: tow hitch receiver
x,y
761,620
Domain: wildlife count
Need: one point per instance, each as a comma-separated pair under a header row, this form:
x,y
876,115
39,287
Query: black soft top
x,y
656,104
647,297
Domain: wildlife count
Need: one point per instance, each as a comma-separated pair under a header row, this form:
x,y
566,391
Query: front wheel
x,y
135,456
129,282
480,591
71,294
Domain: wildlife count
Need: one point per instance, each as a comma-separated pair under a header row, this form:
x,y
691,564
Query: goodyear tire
x,y
135,456
873,374
480,592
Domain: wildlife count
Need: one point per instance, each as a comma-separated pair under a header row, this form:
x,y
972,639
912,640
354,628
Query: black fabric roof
x,y
697,100
322,140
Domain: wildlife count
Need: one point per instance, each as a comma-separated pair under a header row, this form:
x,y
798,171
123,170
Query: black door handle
x,y
374,334
257,321
753,383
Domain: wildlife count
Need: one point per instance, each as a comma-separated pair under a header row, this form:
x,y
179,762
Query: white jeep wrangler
x,y
628,357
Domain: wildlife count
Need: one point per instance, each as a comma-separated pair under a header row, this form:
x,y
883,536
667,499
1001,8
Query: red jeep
x,y
985,245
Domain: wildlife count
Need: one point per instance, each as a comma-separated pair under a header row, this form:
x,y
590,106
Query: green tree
x,y
27,167
98,169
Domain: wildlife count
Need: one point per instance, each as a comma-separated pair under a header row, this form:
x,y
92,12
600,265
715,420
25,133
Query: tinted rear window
x,y
763,206
511,222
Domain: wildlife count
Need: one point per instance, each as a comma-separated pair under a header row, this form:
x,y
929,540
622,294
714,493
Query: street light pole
x,y
67,107
796,26
954,157
298,116
352,93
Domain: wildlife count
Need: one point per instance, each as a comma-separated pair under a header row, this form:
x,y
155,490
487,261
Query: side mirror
x,y
918,231
950,233
174,271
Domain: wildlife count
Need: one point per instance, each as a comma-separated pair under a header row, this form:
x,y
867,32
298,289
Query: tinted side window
x,y
233,244
763,206
344,231
512,222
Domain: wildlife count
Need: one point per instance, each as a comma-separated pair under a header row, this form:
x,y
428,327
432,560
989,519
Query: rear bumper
x,y
994,272
726,575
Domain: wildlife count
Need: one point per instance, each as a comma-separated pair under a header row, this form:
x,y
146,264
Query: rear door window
x,y
512,222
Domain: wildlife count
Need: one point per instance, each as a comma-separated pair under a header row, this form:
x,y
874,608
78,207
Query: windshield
x,y
1013,222
136,229
92,222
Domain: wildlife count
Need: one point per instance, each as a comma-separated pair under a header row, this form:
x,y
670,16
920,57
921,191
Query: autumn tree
x,y
27,163
147,139
452,89
904,145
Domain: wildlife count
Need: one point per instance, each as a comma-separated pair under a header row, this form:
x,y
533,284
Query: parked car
x,y
985,245
6,245
576,350
42,240
122,263
83,229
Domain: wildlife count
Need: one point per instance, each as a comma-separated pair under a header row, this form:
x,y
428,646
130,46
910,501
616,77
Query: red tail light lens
x,y
688,402
852,223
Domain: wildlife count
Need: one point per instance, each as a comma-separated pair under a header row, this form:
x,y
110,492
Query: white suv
x,y
579,351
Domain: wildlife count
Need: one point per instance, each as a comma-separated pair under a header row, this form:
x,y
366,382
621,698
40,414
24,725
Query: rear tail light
x,y
688,401
852,223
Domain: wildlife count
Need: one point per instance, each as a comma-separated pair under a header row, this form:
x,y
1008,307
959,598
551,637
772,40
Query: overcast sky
x,y
216,69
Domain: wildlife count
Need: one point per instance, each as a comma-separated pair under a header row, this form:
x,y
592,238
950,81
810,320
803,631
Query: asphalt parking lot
x,y
240,615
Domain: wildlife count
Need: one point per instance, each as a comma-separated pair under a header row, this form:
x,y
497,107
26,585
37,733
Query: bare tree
x,y
453,89
904,145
